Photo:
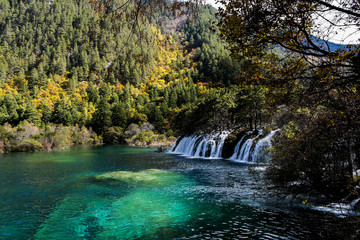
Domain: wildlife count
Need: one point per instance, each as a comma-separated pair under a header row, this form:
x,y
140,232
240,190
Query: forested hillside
x,y
63,65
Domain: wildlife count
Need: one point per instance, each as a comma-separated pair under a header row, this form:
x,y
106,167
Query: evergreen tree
x,y
12,109
62,113
92,93
119,115
31,113
4,116
46,113
102,116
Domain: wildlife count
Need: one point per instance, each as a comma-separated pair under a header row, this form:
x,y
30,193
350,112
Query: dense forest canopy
x,y
66,62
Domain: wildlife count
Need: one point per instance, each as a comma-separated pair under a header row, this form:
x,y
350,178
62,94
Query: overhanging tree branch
x,y
333,7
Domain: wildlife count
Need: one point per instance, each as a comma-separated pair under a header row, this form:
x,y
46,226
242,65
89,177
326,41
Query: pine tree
x,y
62,113
45,112
31,113
119,115
102,116
3,69
158,119
92,93
4,116
12,107
34,78
173,99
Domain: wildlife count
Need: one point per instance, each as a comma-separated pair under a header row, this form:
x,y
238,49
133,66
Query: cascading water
x,y
175,145
201,146
191,149
237,148
262,146
186,145
246,149
246,152
211,146
220,146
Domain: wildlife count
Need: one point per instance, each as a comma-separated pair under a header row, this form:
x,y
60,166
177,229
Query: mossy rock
x,y
144,213
137,215
146,177
230,143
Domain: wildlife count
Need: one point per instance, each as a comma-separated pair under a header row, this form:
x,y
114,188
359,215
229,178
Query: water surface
x,y
119,192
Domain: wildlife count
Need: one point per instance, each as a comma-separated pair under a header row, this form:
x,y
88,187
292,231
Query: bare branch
x,y
333,7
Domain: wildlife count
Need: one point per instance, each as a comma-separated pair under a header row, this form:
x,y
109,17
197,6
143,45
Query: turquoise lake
x,y
120,192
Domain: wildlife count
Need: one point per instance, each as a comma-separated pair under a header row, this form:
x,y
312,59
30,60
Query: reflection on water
x,y
117,192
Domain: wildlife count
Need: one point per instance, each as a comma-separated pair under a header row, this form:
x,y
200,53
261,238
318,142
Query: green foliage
x,y
102,115
64,36
313,86
223,109
65,63
27,137
62,112
61,63
251,106
143,135
60,141
28,145
113,135
319,159
214,62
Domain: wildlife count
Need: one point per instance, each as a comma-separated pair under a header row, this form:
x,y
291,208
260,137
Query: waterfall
x,y
246,148
186,145
175,145
211,146
201,146
192,145
262,146
248,152
220,146
237,147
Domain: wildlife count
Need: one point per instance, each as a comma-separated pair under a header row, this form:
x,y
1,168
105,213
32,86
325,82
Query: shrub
x,y
60,141
28,145
113,135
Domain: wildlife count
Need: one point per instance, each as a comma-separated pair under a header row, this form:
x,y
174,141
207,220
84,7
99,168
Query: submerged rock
x,y
145,177
160,149
143,213
309,198
117,213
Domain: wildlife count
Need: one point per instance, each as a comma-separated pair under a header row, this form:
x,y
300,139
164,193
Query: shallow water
x,y
80,194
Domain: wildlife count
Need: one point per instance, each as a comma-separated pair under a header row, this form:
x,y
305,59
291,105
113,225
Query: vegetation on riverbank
x,y
27,137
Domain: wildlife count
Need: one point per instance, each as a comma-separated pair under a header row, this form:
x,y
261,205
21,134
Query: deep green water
x,y
69,195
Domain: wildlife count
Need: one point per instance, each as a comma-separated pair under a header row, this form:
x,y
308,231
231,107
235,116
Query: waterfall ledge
x,y
253,147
